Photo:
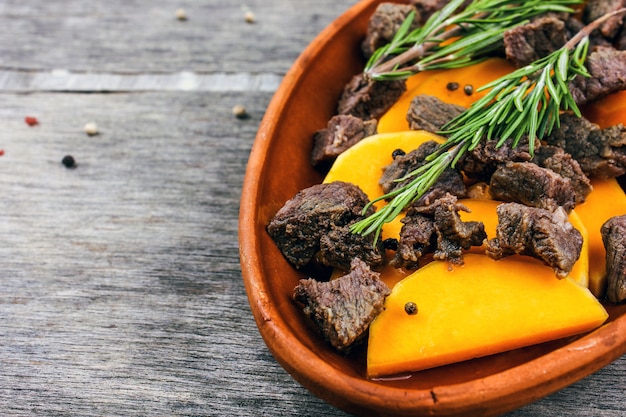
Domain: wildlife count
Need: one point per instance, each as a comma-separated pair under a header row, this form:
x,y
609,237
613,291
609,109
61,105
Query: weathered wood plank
x,y
122,36
63,81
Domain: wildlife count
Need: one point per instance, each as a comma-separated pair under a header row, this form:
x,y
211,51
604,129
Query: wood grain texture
x,y
121,291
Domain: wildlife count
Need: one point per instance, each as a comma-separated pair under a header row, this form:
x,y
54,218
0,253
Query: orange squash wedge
x,y
481,308
605,201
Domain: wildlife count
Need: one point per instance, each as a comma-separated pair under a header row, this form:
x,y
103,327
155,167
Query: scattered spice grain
x,y
181,14
240,111
31,121
91,129
468,89
249,17
68,161
451,86
397,152
391,243
410,308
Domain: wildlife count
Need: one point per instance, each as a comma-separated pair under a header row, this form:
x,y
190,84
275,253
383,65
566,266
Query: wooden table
x,y
121,286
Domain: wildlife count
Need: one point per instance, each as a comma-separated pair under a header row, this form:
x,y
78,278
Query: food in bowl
x,y
279,167
537,183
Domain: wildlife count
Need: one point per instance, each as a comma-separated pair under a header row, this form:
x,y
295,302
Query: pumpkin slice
x,y
481,308
605,201
363,163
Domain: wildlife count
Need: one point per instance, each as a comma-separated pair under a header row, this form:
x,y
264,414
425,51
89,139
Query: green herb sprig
x,y
524,103
454,37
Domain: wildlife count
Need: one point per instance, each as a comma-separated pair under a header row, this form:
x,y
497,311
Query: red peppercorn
x,y
31,121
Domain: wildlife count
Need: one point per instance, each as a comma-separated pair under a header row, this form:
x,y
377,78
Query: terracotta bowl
x,y
278,168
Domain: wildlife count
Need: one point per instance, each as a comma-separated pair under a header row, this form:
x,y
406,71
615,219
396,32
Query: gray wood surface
x,y
121,291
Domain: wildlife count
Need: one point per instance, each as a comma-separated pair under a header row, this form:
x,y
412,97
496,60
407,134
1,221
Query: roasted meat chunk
x,y
430,113
417,238
342,132
614,239
607,67
368,99
600,152
313,219
427,8
481,162
436,228
384,23
595,9
532,185
536,232
534,40
343,308
557,160
450,181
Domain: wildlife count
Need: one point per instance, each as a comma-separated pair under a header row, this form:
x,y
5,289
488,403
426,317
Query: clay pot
x,y
278,168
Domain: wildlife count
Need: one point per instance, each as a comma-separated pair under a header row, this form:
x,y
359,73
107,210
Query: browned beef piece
x,y
614,239
384,23
536,232
573,25
600,152
339,245
343,308
417,238
437,228
534,40
481,162
342,132
426,8
322,209
430,113
557,160
528,183
598,8
368,99
607,67
450,181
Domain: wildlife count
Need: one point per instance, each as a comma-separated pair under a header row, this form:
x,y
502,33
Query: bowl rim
x,y
493,394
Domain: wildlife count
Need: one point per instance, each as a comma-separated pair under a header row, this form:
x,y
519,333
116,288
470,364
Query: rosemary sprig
x,y
524,103
452,37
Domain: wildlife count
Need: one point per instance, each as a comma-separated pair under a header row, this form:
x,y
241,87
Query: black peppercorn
x,y
468,89
68,161
390,243
396,153
410,308
451,86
